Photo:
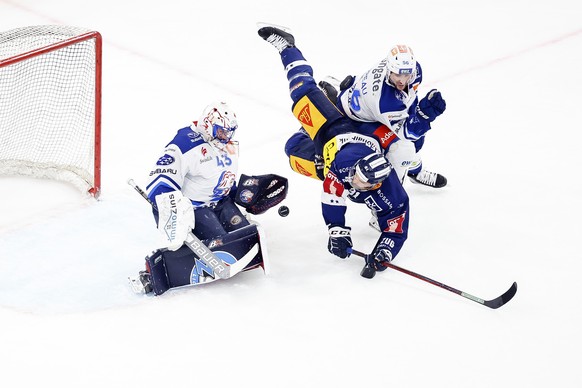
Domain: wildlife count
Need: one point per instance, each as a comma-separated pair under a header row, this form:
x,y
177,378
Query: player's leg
x,y
419,175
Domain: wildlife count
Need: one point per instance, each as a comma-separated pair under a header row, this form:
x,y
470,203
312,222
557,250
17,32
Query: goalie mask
x,y
217,123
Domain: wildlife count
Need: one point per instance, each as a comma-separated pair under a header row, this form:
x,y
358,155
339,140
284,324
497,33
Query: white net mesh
x,y
47,105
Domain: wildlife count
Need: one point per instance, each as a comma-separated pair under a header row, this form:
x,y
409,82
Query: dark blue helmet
x,y
373,168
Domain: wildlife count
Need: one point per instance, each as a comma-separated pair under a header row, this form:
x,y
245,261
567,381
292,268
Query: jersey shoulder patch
x,y
186,139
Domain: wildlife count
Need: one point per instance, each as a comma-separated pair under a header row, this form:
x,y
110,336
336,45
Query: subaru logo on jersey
x,y
165,160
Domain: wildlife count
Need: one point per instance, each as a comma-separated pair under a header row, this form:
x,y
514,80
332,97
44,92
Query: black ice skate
x,y
277,37
428,178
330,85
142,284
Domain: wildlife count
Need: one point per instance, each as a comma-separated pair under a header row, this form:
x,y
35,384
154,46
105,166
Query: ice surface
x,y
508,144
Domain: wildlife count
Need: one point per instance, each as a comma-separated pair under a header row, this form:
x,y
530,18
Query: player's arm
x,y
333,206
394,232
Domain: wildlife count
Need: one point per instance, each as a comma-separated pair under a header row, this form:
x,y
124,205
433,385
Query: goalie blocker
x,y
242,250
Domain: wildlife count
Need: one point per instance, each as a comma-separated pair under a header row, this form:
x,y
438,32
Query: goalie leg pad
x,y
156,267
172,269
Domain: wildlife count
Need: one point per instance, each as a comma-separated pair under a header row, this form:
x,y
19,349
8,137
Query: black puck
x,y
368,272
283,211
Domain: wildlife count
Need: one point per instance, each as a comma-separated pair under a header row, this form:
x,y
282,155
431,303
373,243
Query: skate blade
x,y
136,285
374,225
283,28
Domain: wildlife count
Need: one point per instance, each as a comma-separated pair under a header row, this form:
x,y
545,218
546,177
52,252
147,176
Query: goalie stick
x,y
200,250
493,303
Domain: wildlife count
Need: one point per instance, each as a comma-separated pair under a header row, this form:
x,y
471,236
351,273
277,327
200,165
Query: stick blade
x,y
503,299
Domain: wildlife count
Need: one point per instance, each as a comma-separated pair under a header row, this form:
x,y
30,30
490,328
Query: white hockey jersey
x,y
204,173
370,98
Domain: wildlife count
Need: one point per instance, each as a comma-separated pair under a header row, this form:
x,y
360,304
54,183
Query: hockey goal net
x,y
50,104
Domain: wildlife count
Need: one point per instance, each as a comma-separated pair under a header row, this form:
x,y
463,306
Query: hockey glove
x,y
176,218
340,240
380,256
431,106
347,82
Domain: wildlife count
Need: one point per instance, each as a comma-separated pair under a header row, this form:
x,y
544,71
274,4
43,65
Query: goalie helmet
x,y
217,123
400,60
372,169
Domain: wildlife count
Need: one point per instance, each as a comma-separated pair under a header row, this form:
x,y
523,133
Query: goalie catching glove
x,y
176,218
258,193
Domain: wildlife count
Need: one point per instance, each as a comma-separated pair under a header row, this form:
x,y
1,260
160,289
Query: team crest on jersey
x,y
165,160
395,225
332,185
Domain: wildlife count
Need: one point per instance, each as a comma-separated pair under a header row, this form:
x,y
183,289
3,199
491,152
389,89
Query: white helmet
x,y
401,60
217,123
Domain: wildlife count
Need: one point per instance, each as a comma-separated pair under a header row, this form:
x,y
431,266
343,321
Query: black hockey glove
x,y
431,106
347,82
340,240
380,256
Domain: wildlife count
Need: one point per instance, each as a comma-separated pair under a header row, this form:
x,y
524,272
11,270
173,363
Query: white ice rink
x,y
508,143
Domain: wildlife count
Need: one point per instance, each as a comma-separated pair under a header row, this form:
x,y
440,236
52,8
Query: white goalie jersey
x,y
203,172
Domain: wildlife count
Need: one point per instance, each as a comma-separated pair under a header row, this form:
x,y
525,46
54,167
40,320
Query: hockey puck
x,y
283,211
368,272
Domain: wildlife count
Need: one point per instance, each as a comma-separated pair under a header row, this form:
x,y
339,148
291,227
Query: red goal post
x,y
50,104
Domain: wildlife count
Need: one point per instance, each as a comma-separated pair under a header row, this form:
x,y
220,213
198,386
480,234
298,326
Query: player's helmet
x,y
373,168
217,122
401,60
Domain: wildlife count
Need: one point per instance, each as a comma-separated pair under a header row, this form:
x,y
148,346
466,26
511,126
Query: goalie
x,y
194,192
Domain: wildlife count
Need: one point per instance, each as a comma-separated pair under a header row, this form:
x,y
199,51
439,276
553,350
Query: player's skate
x,y
429,178
374,223
330,87
142,284
277,36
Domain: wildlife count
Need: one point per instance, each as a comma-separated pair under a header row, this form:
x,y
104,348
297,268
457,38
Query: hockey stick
x,y
200,250
493,303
